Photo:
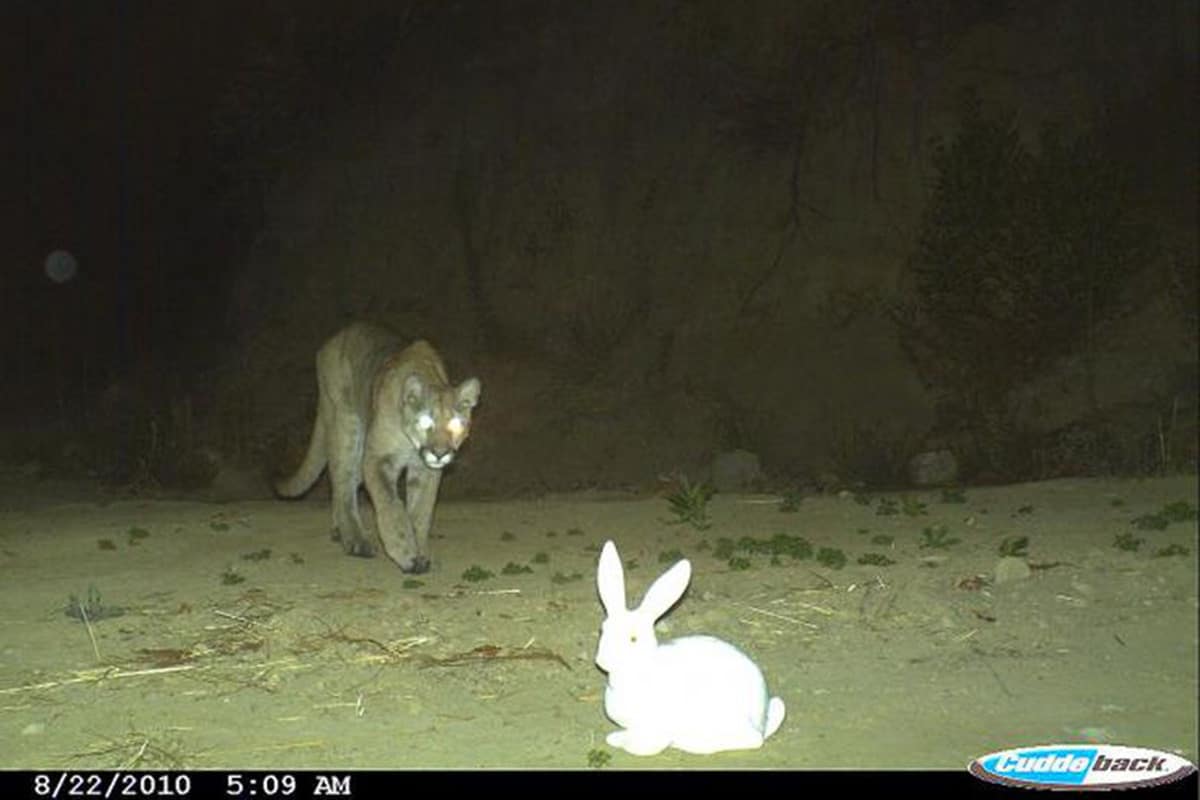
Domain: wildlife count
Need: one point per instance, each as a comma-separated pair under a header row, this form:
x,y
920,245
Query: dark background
x,y
655,230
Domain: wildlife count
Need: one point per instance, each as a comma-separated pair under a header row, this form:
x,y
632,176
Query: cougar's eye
x,y
424,421
455,426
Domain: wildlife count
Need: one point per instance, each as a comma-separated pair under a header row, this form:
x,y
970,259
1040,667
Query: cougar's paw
x,y
416,566
358,547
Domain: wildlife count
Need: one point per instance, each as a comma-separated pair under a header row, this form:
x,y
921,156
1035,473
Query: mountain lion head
x,y
437,420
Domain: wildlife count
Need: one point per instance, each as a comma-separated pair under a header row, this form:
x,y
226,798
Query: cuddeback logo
x,y
1092,766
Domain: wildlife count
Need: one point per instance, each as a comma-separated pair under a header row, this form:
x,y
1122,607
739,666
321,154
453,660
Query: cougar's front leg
x,y
422,485
391,517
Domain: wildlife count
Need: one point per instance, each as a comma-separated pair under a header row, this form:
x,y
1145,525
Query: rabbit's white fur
x,y
696,693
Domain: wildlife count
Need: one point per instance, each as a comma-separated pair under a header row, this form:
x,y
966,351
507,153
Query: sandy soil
x,y
249,640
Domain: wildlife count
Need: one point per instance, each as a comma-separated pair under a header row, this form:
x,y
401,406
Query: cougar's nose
x,y
437,457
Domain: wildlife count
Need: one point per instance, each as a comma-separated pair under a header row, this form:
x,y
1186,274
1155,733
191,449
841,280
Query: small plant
x,y
631,564
507,536
790,501
937,537
219,526
875,560
862,531
1116,502
863,499
1172,550
953,496
296,558
257,555
1127,541
1015,546
749,544
781,544
136,534
831,557
1174,512
913,507
92,609
883,539
412,583
887,507
669,556
559,577
106,544
1025,510
1151,522
551,534
1179,511
574,532
540,558
597,759
231,577
689,503
738,563
476,573
515,569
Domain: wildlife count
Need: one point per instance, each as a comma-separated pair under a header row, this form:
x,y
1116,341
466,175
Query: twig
x,y
137,757
114,673
996,675
792,620
393,650
91,635
828,584
819,609
489,652
235,617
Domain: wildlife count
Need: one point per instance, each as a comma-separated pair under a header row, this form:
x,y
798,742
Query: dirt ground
x,y
248,640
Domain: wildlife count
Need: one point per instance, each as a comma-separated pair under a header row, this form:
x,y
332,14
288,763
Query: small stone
x,y
34,729
1010,569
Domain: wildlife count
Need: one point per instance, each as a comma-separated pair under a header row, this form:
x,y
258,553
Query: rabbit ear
x,y
610,580
666,590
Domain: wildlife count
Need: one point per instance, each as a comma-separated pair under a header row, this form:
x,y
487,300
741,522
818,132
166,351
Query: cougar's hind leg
x,y
345,450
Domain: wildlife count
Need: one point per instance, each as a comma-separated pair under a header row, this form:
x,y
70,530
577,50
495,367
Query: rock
x,y
735,471
1010,569
933,468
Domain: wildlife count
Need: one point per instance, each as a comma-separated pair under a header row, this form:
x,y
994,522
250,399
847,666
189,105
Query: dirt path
x,y
248,640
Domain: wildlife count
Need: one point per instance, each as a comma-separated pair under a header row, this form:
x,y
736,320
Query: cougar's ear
x,y
467,394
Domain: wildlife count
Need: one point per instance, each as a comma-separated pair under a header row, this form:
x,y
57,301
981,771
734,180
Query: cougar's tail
x,y
310,469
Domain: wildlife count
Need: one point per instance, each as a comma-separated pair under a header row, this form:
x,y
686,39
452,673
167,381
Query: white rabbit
x,y
696,693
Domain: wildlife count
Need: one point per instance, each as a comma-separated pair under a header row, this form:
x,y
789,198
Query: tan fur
x,y
384,409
